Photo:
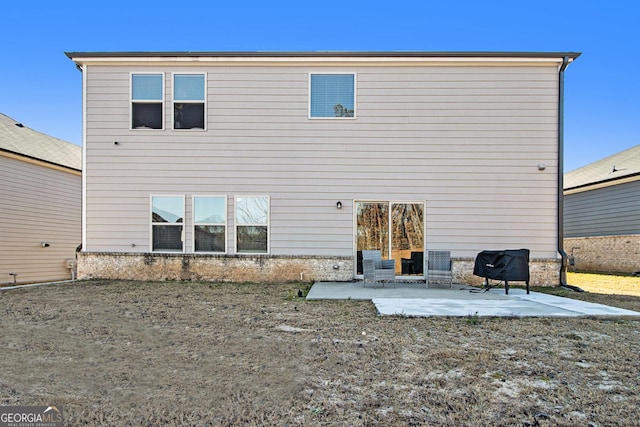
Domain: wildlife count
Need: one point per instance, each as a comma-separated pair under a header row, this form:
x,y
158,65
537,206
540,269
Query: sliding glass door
x,y
396,229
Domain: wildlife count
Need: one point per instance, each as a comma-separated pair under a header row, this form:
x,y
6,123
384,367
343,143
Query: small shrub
x,y
473,320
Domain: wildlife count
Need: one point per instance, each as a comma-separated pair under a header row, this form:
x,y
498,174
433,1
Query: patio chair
x,y
375,269
439,268
413,265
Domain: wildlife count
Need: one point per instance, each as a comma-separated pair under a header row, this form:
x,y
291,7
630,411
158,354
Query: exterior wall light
x,y
541,166
339,205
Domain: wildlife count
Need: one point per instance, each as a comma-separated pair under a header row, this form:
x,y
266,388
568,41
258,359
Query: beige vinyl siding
x,y
465,139
39,204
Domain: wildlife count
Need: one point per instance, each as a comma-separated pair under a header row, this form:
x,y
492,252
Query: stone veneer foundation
x,y
260,268
542,272
215,268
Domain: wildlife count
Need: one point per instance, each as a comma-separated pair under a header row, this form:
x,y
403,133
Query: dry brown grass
x,y
142,354
606,283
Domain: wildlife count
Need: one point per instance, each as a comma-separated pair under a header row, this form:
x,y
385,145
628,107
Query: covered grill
x,y
507,265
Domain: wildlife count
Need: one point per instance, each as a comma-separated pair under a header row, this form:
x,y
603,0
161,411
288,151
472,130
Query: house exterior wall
x,y
602,228
464,138
608,211
39,204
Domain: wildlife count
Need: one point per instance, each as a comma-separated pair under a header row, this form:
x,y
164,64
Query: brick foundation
x,y
260,268
218,268
542,272
614,254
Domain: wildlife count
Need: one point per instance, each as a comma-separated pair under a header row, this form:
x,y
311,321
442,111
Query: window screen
x,y
167,218
146,101
188,101
252,224
209,219
332,95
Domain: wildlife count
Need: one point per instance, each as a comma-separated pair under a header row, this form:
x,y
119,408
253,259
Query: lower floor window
x,y
252,224
167,223
252,239
167,238
209,223
209,238
206,227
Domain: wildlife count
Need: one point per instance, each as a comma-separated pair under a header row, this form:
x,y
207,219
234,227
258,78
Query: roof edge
x,y
37,159
323,54
602,183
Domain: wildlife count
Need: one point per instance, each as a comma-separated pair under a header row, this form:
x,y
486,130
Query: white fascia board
x,y
294,60
604,184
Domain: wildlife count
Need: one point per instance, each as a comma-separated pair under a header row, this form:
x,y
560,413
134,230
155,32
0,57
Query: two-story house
x,y
285,166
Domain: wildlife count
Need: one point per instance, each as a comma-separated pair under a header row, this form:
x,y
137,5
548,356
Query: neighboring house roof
x,y
18,139
625,164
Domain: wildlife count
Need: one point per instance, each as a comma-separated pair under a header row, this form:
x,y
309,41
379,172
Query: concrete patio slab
x,y
357,291
410,299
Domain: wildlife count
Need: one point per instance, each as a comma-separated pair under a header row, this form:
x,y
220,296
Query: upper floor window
x,y
167,223
332,95
189,101
147,95
209,223
252,225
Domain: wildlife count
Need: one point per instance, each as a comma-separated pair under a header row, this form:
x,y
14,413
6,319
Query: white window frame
x,y
161,102
236,225
174,101
174,224
355,94
224,224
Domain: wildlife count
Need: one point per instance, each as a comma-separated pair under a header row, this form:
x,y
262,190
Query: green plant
x,y
473,319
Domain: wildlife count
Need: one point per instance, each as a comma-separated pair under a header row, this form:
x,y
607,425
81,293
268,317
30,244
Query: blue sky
x,y
41,87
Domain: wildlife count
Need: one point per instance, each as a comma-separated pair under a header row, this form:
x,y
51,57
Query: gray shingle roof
x,y
19,139
620,165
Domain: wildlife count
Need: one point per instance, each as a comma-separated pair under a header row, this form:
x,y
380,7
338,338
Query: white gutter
x,y
84,157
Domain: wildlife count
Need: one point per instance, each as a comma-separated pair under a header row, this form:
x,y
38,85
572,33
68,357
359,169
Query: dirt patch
x,y
132,353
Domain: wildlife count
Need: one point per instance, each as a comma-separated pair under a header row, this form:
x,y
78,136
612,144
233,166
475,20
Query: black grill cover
x,y
510,264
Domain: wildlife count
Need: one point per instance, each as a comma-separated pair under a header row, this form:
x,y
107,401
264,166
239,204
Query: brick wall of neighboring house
x,y
616,254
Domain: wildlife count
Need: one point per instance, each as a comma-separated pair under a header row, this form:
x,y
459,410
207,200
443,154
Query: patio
x,y
414,299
